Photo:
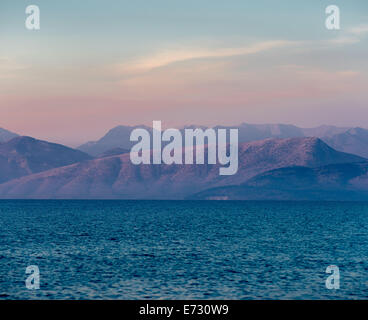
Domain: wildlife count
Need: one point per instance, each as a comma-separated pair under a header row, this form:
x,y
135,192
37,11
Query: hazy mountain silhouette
x,y
25,155
6,135
352,140
118,137
345,181
117,177
323,131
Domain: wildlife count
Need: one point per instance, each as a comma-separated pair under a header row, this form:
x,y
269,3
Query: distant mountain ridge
x,y
117,137
340,138
6,135
25,155
117,177
354,140
272,166
343,181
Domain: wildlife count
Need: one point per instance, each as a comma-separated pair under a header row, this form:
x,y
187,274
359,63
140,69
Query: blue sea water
x,y
183,249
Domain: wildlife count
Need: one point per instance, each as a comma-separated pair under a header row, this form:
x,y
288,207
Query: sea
x,y
112,249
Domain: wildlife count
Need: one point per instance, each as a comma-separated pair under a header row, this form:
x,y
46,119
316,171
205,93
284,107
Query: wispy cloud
x,y
351,35
359,30
167,57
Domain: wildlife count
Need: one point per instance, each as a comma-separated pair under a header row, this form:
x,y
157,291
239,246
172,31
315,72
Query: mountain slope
x,y
354,141
254,132
118,137
117,177
6,135
323,131
112,152
25,155
346,181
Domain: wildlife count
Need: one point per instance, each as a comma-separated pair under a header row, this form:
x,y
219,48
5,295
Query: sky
x,y
97,64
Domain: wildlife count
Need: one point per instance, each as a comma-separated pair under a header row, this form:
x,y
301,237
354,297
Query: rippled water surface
x,y
183,250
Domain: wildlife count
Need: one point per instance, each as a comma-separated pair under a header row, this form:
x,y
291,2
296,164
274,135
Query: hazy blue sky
x,y
97,64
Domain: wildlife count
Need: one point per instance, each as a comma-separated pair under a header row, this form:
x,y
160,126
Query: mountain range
x,y
23,156
337,182
117,177
276,162
346,139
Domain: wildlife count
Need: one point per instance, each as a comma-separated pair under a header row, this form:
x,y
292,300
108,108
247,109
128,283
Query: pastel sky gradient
x,y
97,64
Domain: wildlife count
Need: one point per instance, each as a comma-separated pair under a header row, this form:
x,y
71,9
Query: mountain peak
x,y
117,137
24,155
353,140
